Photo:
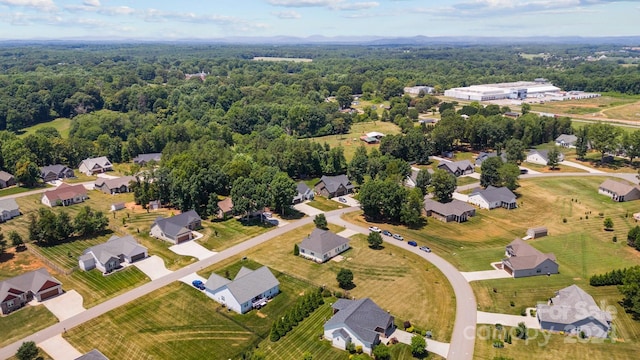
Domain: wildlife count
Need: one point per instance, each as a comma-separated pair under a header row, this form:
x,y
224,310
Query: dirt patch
x,y
261,315
16,263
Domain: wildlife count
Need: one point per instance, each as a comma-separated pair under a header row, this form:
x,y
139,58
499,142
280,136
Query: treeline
x,y
614,277
47,228
303,308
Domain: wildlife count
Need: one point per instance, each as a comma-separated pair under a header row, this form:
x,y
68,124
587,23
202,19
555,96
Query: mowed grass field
x,y
219,235
351,141
622,107
403,283
23,322
180,322
60,124
324,204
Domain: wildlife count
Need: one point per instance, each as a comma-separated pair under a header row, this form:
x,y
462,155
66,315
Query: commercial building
x,y
513,90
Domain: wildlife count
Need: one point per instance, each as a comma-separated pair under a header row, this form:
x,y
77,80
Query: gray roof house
x,y
8,209
303,193
114,186
95,165
573,311
176,229
6,180
567,141
322,245
360,322
493,197
457,168
249,289
143,159
412,179
109,255
17,291
55,172
455,210
525,260
332,186
619,191
541,157
93,355
482,156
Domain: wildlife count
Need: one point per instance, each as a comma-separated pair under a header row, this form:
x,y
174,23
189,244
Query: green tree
x,y
391,87
490,172
630,289
320,221
283,189
358,165
16,239
423,179
3,242
553,158
381,352
526,108
27,351
582,142
444,184
382,200
509,174
608,223
631,144
27,173
411,212
345,279
374,239
521,331
418,346
88,222
514,150
603,138
344,97
296,250
307,356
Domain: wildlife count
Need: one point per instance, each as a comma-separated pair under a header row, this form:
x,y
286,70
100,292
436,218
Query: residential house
x,y
455,210
114,186
303,193
249,289
541,157
225,207
8,209
65,195
493,197
176,229
525,260
482,156
619,191
375,135
17,291
369,140
322,245
412,179
6,180
573,311
95,165
332,186
92,355
108,256
537,232
567,141
457,168
56,172
143,159
359,322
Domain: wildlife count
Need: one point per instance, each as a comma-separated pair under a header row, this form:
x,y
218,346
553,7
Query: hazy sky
x,y
146,19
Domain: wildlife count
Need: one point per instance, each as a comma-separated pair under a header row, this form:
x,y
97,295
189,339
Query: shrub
x,y
601,214
407,324
326,293
338,294
296,250
586,217
512,303
498,344
564,220
428,334
359,349
351,347
499,326
523,312
393,340
409,329
614,239
423,333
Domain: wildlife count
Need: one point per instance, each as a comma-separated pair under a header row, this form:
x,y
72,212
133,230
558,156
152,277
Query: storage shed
x,y
537,232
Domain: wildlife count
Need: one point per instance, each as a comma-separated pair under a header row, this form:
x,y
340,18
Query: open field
x,y
351,141
178,321
379,274
597,107
60,124
618,165
24,322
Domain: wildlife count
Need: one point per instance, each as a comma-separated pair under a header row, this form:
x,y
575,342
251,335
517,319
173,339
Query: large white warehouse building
x,y
512,90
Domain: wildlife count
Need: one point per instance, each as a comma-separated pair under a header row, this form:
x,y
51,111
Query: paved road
x,y
40,191
145,289
464,328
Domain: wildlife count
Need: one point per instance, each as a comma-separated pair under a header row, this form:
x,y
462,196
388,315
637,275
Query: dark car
x,y
386,233
412,243
198,284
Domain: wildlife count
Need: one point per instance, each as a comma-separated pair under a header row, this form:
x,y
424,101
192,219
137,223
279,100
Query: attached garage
x,y
49,294
137,257
183,238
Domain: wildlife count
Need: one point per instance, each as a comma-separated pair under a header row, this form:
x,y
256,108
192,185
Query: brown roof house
x,y
6,180
332,186
114,186
455,210
322,245
65,195
225,208
17,291
176,229
619,191
525,260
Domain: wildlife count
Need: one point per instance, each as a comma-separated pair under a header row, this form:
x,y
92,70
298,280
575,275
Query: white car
x,y
374,229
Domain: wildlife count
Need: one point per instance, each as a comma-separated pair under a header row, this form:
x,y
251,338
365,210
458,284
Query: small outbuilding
x,y
117,206
537,232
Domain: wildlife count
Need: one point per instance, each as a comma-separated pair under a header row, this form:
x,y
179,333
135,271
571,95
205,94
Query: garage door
x,y
49,294
184,238
137,257
508,269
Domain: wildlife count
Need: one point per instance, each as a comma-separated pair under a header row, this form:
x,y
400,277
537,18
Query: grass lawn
x,y
547,169
219,235
618,165
324,204
600,106
80,178
466,180
24,322
17,190
179,322
379,274
96,288
60,124
351,141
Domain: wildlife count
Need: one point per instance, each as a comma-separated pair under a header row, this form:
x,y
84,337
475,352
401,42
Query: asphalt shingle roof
x,y
570,305
321,241
525,256
494,194
362,317
247,284
32,281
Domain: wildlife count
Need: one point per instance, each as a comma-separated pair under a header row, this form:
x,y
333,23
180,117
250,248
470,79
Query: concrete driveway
x,y
507,320
351,202
66,305
307,210
193,276
433,346
348,233
59,348
153,267
485,275
580,166
192,248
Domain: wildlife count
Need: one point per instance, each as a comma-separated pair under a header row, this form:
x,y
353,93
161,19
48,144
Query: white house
x,y
567,141
95,165
65,195
322,245
108,256
8,209
249,289
493,197
541,157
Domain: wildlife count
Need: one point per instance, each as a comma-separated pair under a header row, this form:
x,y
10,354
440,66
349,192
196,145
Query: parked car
x,y
386,233
198,284
412,243
398,237
425,248
342,200
374,229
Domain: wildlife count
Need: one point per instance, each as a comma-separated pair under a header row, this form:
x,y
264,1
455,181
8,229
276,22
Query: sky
x,y
191,19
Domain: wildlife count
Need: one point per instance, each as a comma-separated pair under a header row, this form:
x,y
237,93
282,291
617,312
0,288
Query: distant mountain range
x,y
357,40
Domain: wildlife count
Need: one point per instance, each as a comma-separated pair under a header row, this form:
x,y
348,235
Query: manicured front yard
x,y
219,235
324,204
24,322
96,288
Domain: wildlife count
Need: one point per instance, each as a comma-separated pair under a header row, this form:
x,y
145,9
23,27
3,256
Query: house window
x,y
538,271
222,298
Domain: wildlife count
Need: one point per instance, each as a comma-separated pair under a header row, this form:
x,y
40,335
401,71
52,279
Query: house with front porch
x,y
65,195
332,186
455,210
94,166
109,256
493,197
249,289
178,228
322,245
15,292
524,260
